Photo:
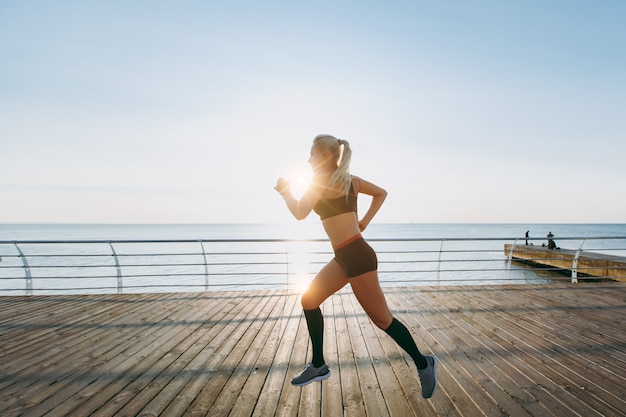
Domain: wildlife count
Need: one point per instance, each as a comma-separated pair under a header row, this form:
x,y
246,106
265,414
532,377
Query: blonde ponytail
x,y
341,176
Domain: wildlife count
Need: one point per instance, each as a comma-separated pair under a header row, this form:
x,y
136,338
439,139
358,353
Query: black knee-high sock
x,y
401,335
315,323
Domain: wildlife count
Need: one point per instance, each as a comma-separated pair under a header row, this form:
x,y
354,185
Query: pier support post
x,y
510,258
118,270
575,263
439,263
287,266
206,268
27,274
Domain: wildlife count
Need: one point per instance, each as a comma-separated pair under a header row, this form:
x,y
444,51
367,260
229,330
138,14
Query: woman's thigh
x,y
328,281
367,290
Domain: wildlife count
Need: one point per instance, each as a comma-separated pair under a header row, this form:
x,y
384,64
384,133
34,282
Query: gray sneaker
x,y
311,374
428,377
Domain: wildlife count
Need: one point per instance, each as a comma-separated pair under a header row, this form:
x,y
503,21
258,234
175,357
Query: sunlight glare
x,y
300,178
301,283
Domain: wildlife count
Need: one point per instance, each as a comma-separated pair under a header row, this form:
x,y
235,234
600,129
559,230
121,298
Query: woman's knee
x,y
382,321
309,301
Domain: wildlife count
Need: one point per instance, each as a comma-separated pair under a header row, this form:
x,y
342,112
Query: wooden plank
x,y
266,344
150,349
175,377
529,379
311,395
392,396
54,317
373,399
227,346
561,360
248,350
570,356
331,388
272,390
544,379
528,350
475,398
124,368
576,309
69,328
289,398
217,308
423,319
503,385
353,403
405,369
589,263
78,359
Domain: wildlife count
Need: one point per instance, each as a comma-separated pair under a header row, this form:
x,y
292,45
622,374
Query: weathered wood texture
x,y
527,350
585,263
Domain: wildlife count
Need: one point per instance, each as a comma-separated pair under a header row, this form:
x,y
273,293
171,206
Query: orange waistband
x,y
347,242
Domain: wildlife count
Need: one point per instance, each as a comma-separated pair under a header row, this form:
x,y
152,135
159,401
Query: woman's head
x,y
335,154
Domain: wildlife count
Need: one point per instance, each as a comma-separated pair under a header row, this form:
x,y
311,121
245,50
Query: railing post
x,y
287,264
206,268
509,260
27,274
118,269
439,263
575,263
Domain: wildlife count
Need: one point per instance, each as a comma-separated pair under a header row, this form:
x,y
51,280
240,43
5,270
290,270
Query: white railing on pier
x,y
106,266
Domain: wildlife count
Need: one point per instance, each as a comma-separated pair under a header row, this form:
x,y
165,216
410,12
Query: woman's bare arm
x,y
299,208
378,197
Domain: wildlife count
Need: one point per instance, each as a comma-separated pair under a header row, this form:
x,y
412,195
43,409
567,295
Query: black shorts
x,y
356,258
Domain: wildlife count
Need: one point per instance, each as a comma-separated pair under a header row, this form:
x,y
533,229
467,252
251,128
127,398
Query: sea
x,y
130,258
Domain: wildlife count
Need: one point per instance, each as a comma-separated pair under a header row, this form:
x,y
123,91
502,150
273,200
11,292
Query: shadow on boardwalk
x,y
526,350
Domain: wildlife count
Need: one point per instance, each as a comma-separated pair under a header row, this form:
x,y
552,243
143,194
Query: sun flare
x,y
300,284
300,178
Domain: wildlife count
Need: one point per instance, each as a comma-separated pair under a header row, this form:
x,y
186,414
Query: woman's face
x,y
319,160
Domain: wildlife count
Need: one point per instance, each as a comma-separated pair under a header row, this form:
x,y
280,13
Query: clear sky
x,y
188,111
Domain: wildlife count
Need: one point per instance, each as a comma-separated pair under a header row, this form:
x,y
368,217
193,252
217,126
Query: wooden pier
x,y
584,263
524,350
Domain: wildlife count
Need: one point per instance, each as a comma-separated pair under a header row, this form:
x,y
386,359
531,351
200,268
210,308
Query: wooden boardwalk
x,y
585,263
525,350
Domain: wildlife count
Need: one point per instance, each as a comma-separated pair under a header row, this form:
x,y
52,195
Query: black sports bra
x,y
329,207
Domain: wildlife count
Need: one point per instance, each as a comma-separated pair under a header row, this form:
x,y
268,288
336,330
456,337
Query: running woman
x,y
332,194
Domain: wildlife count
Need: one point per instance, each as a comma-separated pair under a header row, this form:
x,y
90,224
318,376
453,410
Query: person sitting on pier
x,y
333,196
551,244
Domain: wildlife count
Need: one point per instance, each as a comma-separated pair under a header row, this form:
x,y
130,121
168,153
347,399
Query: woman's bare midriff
x,y
342,227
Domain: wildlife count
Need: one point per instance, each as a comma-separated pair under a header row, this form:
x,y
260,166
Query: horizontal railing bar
x,y
271,284
448,239
310,263
148,265
262,274
394,262
182,285
264,262
120,255
198,285
18,267
379,252
249,263
167,261
149,254
276,254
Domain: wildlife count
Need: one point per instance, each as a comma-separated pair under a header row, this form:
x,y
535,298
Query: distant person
x,y
526,235
551,244
333,196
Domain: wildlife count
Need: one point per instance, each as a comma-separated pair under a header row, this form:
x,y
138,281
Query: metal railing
x,y
109,266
